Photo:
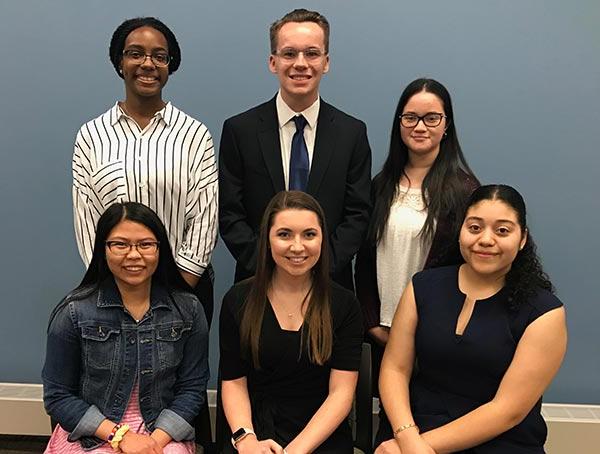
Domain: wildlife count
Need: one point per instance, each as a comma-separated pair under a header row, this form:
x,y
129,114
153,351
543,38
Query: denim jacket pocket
x,y
100,344
170,339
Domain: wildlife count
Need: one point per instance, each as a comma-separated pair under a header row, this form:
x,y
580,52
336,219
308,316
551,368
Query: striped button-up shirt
x,y
169,166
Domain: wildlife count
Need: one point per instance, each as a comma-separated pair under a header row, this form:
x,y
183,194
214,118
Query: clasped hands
x,y
251,445
134,443
416,445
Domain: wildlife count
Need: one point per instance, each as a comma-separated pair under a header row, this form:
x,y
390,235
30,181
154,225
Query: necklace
x,y
296,307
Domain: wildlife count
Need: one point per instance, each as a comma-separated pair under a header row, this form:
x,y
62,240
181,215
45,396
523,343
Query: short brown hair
x,y
299,15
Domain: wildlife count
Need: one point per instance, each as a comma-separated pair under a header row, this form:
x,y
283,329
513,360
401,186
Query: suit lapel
x,y
268,138
324,146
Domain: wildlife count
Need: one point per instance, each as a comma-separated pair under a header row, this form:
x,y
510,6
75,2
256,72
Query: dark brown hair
x,y
443,189
526,275
317,329
299,15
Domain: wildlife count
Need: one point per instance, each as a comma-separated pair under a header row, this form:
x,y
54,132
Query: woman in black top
x,y
488,337
290,340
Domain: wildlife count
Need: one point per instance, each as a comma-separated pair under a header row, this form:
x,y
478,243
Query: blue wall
x,y
525,78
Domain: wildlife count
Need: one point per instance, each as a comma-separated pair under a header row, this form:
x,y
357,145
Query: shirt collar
x,y
109,295
285,114
166,114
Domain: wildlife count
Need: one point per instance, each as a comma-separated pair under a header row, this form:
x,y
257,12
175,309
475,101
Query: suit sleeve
x,y
367,292
349,234
238,235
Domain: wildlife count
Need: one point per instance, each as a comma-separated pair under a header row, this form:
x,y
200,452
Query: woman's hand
x,y
381,335
412,445
388,447
133,443
251,445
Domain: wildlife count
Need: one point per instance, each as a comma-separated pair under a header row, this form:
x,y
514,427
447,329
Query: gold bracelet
x,y
404,427
118,437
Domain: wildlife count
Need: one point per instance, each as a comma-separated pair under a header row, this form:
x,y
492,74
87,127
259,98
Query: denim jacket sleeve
x,y
61,374
190,387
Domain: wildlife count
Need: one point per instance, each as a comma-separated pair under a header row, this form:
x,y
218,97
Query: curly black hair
x,y
526,276
117,42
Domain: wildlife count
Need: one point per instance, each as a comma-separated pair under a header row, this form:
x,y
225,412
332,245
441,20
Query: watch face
x,y
238,433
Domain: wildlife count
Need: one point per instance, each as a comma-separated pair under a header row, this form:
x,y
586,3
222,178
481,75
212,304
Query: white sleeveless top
x,y
401,252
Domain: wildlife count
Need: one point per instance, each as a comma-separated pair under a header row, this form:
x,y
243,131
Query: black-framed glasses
x,y
124,248
291,54
430,119
160,59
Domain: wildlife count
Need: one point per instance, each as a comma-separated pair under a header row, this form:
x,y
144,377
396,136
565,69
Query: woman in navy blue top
x,y
488,336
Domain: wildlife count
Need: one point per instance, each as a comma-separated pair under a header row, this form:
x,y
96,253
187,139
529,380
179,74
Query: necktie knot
x,y
300,122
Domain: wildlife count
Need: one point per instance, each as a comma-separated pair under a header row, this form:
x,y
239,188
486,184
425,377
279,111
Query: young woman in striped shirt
x,y
145,150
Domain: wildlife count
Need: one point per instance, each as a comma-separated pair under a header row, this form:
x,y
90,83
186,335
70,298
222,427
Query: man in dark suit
x,y
295,141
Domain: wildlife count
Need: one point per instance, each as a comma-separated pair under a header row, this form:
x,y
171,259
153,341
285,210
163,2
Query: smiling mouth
x,y
133,269
485,254
300,77
147,79
297,260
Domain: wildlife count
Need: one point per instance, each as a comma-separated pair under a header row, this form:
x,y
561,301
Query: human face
x,y
295,239
421,139
144,80
299,79
133,270
491,237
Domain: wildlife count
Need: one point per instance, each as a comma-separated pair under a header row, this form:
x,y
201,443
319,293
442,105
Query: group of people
x,y
466,331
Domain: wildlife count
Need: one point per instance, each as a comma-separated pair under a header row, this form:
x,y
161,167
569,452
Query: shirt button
x,y
131,340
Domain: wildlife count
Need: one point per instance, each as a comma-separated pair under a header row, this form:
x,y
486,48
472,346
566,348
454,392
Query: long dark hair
x,y
317,330
443,189
166,272
526,275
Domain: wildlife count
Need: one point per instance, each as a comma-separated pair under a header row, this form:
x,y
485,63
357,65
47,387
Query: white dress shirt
x,y
169,166
287,129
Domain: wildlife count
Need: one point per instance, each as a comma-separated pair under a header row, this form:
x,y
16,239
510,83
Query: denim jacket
x,y
96,351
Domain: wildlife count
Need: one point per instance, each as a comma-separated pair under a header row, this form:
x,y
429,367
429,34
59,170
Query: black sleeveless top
x,y
457,373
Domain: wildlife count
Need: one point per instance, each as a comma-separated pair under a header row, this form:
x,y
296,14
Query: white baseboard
x,y
572,429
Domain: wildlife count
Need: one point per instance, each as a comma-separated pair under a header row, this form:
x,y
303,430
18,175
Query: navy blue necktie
x,y
299,158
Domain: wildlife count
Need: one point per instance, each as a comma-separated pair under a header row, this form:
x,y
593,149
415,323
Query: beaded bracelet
x,y
112,433
118,436
404,427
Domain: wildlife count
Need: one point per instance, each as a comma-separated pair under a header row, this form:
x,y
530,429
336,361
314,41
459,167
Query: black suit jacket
x,y
251,173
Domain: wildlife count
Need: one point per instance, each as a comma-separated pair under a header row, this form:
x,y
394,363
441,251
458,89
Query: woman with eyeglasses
x,y
422,187
144,149
290,340
127,351
473,346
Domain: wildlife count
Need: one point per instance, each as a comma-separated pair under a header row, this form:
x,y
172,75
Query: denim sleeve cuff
x,y
88,424
173,424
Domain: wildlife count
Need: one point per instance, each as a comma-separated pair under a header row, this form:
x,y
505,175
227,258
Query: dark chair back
x,y
363,403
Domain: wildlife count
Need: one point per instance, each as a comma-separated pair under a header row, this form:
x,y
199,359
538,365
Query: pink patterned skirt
x,y
59,444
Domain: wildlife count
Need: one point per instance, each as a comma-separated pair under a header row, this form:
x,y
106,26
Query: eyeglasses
x,y
291,54
159,59
430,119
124,248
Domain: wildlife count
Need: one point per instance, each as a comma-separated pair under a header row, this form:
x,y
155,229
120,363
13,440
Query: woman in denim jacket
x,y
129,346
